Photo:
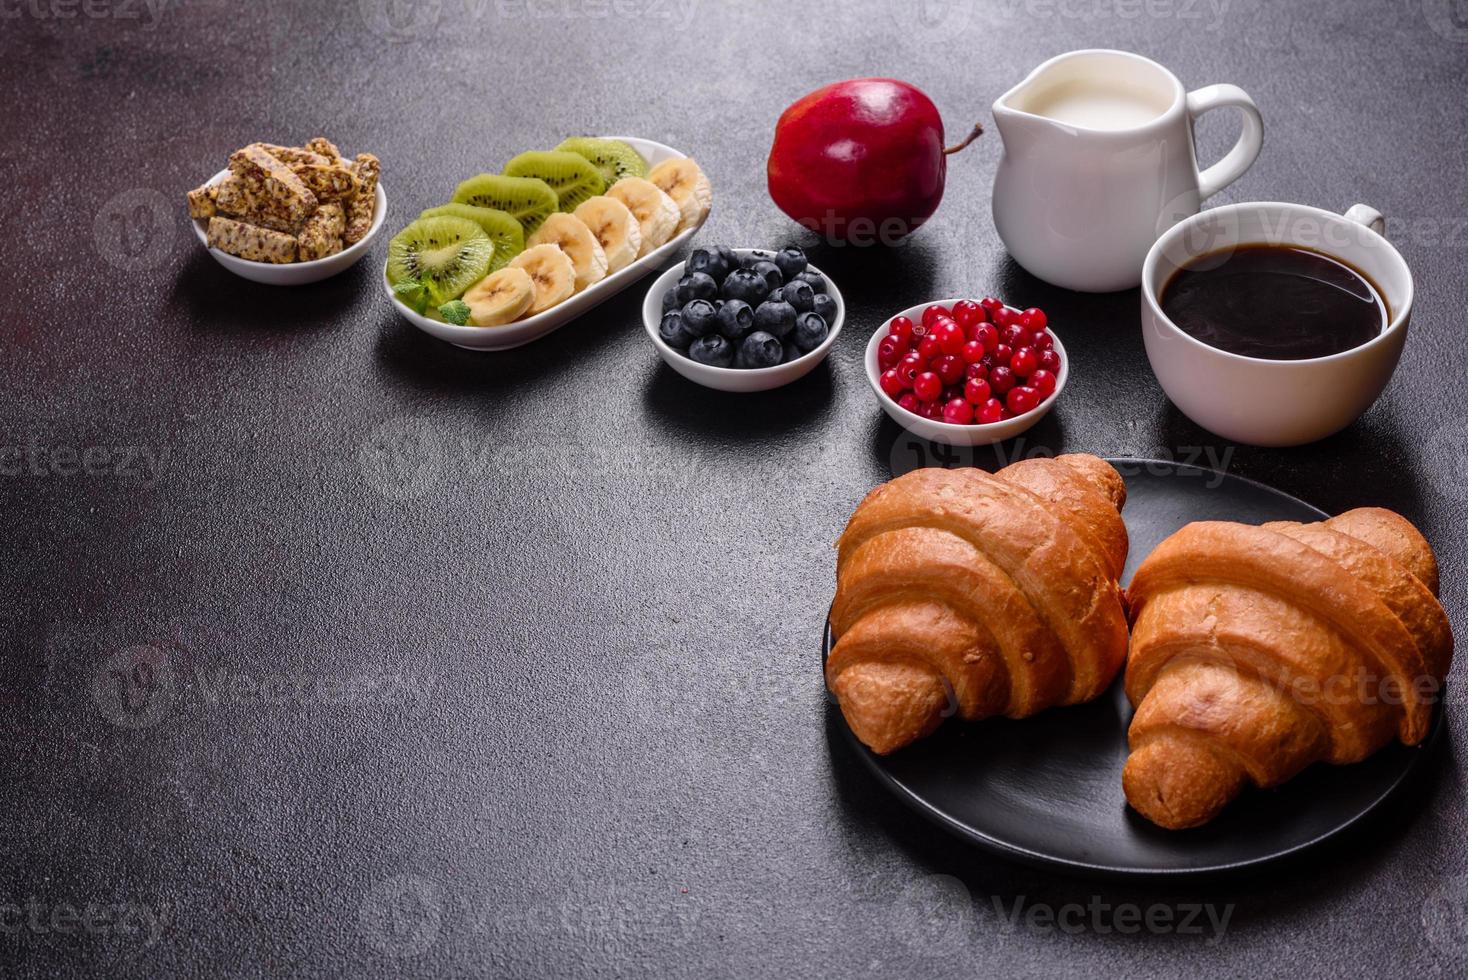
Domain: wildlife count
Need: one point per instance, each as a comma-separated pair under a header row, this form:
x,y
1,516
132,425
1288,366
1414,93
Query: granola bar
x,y
274,182
294,154
239,197
325,147
328,181
202,201
250,242
321,235
360,208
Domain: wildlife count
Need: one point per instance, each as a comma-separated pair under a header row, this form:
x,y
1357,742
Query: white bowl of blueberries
x,y
743,319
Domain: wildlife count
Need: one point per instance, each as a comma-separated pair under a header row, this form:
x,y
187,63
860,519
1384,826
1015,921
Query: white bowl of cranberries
x,y
966,372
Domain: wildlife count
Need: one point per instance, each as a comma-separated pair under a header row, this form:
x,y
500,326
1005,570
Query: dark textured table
x,y
332,649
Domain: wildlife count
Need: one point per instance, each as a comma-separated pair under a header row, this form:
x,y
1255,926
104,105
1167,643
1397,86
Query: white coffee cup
x,y
1266,402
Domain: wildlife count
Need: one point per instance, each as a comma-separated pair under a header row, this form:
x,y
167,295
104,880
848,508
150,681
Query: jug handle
x,y
1244,152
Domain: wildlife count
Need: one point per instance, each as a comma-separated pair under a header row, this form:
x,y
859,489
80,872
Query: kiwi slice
x,y
446,254
612,158
570,175
502,229
526,199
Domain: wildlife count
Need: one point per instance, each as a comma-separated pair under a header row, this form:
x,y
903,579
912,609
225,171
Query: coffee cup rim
x,y
1400,312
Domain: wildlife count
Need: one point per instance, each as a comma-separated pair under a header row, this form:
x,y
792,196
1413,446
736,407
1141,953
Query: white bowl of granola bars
x,y
289,215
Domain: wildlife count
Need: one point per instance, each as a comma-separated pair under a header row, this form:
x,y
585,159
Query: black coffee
x,y
1274,301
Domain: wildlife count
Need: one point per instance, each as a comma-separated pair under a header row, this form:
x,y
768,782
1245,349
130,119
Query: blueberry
x,y
730,259
771,272
700,318
700,285
816,280
791,352
735,319
748,259
759,350
791,262
776,296
674,331
670,300
799,295
746,285
714,262
826,307
810,330
775,317
712,350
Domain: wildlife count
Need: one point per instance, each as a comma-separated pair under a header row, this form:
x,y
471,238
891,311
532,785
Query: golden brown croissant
x,y
1258,650
995,594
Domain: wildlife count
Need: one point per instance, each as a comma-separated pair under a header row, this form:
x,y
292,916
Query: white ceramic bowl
x,y
1264,402
533,328
736,379
945,432
294,273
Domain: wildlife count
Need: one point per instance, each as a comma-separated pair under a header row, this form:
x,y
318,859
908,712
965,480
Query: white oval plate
x,y
533,328
736,379
294,273
948,434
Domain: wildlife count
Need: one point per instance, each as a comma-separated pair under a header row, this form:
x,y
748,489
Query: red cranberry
x,y
1041,340
958,412
910,367
1005,415
985,334
889,352
990,412
949,368
1050,360
990,305
977,391
1003,353
976,371
1014,335
1024,362
927,386
1043,382
933,313
931,410
1021,399
1002,379
1003,316
929,347
950,336
973,352
969,314
909,401
1034,318
900,329
891,383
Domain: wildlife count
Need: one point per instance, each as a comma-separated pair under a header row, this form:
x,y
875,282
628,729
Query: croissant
x,y
957,590
1256,651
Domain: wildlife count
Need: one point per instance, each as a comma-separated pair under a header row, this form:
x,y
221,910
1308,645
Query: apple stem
x,y
978,131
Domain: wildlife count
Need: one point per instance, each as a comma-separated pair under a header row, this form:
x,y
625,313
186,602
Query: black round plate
x,y
1048,789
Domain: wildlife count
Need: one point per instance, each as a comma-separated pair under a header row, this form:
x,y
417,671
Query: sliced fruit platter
x,y
518,254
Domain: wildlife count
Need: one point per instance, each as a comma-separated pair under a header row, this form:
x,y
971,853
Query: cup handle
x,y
1368,216
1244,152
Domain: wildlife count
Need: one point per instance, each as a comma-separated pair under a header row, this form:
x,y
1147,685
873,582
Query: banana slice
x,y
682,180
615,229
571,236
552,272
500,297
657,214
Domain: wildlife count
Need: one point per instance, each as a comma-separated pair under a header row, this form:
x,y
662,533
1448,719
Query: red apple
x,y
860,159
